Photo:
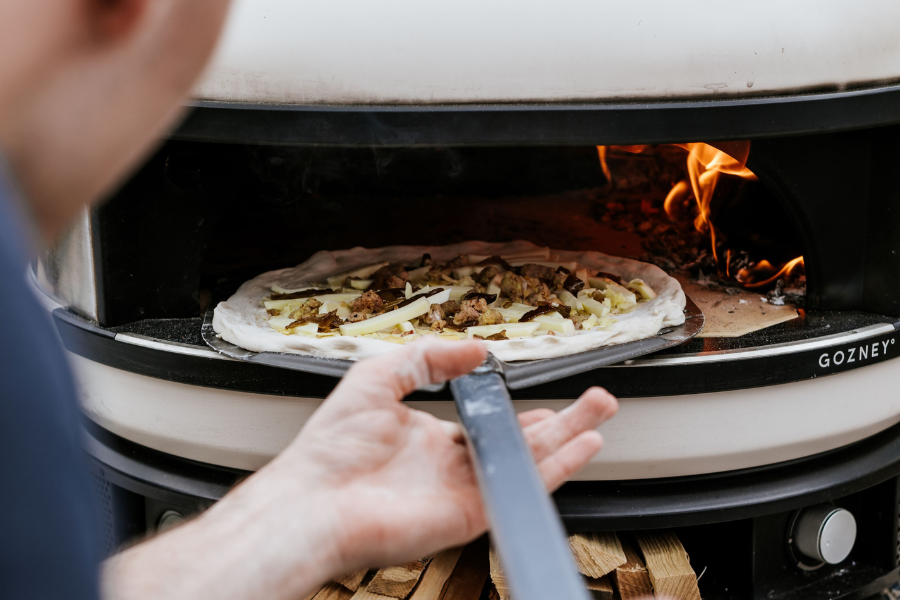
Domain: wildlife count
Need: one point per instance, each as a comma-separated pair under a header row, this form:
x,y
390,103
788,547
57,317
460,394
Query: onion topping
x,y
427,294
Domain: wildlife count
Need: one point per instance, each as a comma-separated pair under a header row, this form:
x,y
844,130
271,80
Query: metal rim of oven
x,y
584,506
707,372
541,124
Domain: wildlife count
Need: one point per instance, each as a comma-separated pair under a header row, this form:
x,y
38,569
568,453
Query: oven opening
x,y
693,210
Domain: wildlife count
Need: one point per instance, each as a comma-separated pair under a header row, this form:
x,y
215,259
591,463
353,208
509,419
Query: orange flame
x,y
705,164
764,268
604,166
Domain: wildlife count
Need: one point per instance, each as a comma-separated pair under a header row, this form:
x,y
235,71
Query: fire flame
x,y
705,165
748,276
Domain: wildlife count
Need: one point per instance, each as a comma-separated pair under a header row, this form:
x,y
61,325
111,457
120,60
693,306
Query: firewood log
x,y
668,565
632,578
596,554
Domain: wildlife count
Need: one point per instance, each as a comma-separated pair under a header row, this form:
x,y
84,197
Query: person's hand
x,y
368,482
398,483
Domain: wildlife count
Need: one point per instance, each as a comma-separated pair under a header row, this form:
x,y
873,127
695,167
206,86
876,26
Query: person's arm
x,y
368,482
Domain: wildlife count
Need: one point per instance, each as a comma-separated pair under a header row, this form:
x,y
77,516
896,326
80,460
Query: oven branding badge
x,y
858,353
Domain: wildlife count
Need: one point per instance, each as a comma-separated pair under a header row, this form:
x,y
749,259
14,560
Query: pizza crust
x,y
242,320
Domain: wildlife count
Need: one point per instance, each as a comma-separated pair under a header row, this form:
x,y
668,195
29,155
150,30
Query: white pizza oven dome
x,y
401,52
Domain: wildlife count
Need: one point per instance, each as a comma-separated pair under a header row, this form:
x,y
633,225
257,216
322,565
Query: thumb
x,y
391,377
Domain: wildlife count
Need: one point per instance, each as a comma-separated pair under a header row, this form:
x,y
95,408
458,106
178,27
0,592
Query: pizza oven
x,y
762,176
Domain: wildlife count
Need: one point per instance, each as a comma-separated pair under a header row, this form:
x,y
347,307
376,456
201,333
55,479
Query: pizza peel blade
x,y
517,375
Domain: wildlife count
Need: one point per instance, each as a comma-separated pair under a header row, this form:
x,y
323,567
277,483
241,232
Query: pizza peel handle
x,y
525,528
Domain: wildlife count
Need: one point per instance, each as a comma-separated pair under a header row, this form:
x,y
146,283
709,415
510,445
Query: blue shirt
x,y
49,528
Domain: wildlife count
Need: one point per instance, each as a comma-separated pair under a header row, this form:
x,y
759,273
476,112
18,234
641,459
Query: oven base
x,y
650,437
734,526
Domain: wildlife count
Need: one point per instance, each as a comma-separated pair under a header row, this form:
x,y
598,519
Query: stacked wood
x,y
657,564
668,564
364,594
397,582
333,591
352,581
497,575
601,588
596,554
632,578
470,574
454,574
436,576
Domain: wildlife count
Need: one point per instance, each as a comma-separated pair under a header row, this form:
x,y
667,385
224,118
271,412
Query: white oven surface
x,y
650,437
396,51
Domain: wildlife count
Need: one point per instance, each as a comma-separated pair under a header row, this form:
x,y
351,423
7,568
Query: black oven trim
x,y
540,124
584,506
656,377
729,496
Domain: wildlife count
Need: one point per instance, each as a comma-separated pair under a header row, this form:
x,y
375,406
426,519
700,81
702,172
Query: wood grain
x,y
352,581
497,576
668,565
600,589
632,578
399,581
333,591
470,574
440,569
596,554
364,594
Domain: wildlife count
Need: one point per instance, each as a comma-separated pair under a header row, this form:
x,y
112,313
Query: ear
x,y
113,20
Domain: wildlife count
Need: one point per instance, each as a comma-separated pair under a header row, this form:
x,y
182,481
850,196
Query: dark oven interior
x,y
199,215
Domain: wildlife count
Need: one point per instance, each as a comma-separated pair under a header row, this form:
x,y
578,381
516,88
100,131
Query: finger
x,y
529,418
391,377
453,430
594,407
570,458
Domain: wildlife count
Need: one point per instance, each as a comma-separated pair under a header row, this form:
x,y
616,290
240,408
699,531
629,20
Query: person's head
x,y
87,86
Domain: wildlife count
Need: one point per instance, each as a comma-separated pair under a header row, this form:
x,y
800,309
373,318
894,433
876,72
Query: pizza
x,y
527,302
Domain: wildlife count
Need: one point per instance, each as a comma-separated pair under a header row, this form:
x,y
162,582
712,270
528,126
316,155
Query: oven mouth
x,y
199,219
691,209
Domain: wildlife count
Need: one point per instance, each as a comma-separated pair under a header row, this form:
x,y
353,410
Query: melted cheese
x,y
387,320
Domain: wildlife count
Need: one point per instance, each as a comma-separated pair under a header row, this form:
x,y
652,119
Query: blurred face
x,y
88,86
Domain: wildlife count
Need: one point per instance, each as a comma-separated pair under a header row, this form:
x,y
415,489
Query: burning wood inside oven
x,y
681,228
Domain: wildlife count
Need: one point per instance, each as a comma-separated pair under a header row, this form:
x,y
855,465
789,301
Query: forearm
x,y
244,547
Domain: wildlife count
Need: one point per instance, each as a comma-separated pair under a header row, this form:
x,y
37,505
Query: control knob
x,y
824,533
